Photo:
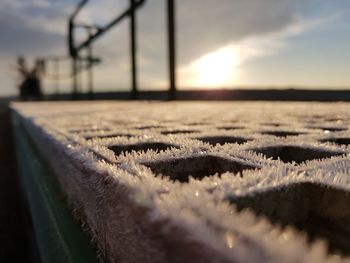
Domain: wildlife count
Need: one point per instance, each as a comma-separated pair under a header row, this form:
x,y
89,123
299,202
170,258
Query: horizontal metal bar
x,y
62,58
54,58
85,26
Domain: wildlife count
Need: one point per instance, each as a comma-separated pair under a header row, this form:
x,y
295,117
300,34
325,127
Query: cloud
x,y
18,38
35,27
223,65
223,21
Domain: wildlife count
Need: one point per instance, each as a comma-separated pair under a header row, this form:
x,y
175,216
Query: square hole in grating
x,y
330,129
339,141
213,140
198,167
177,132
288,153
149,127
320,211
336,119
282,133
228,128
156,146
89,130
90,137
197,123
271,124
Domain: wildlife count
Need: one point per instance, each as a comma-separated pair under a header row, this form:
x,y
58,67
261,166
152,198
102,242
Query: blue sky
x,y
221,43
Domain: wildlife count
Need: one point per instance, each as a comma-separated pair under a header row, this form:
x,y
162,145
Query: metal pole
x,y
75,80
72,50
172,49
134,92
90,76
80,75
57,69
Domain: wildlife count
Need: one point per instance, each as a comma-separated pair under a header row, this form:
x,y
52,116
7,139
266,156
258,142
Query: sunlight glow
x,y
219,68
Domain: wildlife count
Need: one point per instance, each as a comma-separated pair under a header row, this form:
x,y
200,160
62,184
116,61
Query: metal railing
x,y
94,32
56,75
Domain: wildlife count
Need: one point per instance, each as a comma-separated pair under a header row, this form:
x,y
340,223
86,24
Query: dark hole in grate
x,y
213,140
318,210
198,123
198,167
149,127
120,122
334,119
90,137
89,130
177,132
271,124
282,133
309,121
170,121
156,146
228,128
316,116
297,154
339,141
331,129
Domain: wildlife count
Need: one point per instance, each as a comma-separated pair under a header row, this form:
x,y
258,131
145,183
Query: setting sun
x,y
215,69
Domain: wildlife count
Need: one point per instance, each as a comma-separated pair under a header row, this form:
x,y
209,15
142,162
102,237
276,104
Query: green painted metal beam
x,y
60,237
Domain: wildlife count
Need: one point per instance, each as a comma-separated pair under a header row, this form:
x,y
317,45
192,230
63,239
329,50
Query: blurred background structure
x,y
221,45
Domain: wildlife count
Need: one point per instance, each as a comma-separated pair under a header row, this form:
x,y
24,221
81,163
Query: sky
x,y
221,43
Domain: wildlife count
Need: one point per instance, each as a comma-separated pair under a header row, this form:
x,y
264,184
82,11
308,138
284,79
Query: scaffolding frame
x,y
95,32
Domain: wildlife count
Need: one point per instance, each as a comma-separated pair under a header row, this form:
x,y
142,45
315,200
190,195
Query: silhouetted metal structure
x,y
56,75
94,32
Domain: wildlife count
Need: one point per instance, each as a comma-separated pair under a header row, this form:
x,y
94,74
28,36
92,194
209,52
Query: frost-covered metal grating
x,y
202,182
